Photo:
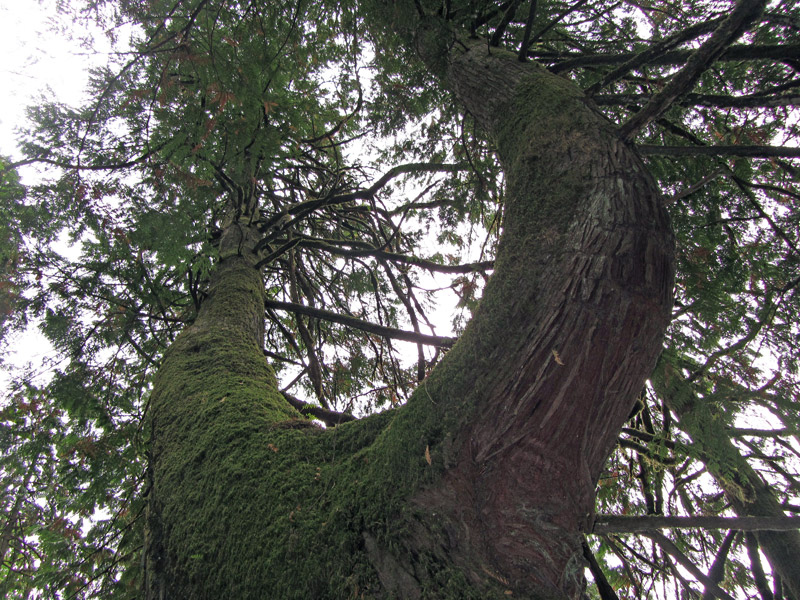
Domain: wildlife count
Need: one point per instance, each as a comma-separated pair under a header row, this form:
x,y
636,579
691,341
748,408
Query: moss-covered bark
x,y
524,410
248,499
213,393
247,502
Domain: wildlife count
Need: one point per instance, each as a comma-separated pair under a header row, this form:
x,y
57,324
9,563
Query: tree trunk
x,y
481,486
213,394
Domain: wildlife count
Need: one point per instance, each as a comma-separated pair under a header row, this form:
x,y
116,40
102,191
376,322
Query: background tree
x,y
218,156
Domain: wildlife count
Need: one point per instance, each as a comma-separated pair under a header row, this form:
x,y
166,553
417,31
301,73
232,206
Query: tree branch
x,y
526,36
675,57
365,249
710,100
756,567
557,19
743,185
79,167
649,437
603,587
641,524
745,151
327,416
637,587
686,563
694,187
717,571
738,432
509,14
304,208
381,330
655,50
644,451
314,364
730,29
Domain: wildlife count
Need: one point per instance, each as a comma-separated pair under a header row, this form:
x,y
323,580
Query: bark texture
x,y
565,336
481,486
214,390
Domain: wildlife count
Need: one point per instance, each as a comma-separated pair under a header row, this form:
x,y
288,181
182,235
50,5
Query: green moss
x,y
244,503
244,506
254,506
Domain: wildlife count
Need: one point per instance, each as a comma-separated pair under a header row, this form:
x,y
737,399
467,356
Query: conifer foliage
x,y
238,249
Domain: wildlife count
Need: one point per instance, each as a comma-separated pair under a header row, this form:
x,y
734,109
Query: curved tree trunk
x,y
565,335
481,486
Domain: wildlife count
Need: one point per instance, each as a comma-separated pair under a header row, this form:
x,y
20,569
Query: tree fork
x,y
484,482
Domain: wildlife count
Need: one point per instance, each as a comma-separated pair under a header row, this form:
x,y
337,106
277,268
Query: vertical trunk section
x,y
214,390
525,409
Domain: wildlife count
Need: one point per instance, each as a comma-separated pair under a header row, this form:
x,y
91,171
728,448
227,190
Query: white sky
x,y
35,60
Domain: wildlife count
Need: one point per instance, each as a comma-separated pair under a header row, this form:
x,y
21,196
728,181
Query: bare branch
x,y
686,563
509,14
655,50
364,249
730,29
641,524
329,417
526,36
710,100
757,568
745,151
606,591
717,571
674,57
381,330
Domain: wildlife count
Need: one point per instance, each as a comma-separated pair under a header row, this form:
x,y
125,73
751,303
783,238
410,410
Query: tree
x,y
227,219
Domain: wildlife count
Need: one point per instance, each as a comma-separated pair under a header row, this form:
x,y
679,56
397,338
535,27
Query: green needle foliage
x,y
371,188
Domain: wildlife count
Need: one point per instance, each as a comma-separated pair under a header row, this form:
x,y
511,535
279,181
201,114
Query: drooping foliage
x,y
372,188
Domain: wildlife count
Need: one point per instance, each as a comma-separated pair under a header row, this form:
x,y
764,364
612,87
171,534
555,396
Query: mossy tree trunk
x,y
481,486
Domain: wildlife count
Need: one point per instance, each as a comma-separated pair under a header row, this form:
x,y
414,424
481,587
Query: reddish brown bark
x,y
568,330
483,483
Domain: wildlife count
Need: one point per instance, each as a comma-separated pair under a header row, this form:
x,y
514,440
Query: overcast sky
x,y
33,60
